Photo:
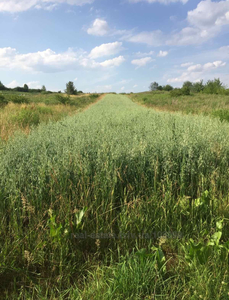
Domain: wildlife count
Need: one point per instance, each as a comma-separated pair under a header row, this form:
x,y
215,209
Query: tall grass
x,y
69,190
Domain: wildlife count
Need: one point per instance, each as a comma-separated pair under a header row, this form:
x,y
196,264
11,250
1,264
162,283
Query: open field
x,y
213,105
25,111
116,202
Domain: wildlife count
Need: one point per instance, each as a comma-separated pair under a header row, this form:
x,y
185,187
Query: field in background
x,y
25,111
119,202
213,105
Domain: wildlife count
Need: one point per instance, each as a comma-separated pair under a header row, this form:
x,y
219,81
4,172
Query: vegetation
x,y
70,88
118,202
18,112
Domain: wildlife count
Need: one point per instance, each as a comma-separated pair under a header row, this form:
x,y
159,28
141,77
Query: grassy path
x,y
104,204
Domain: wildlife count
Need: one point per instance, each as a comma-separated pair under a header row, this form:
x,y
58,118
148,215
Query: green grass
x,y
117,168
193,104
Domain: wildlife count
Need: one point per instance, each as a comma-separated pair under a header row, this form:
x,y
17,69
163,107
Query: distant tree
x,y
2,87
70,88
188,84
168,88
43,89
26,88
160,88
213,86
198,86
153,86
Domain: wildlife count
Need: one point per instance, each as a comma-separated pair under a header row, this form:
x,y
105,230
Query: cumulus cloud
x,y
143,54
204,23
106,50
23,5
193,72
34,85
160,1
162,53
115,62
12,84
141,62
99,28
48,61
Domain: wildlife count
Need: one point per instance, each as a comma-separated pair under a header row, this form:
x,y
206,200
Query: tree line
x,y
70,89
210,87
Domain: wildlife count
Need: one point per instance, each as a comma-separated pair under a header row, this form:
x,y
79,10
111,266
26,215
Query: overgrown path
x,y
89,191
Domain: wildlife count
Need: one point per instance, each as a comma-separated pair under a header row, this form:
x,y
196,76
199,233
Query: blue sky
x,y
112,45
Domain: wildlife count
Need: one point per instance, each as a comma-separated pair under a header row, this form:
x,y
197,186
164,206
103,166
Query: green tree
x,y
153,86
198,87
188,84
2,87
70,88
213,86
43,88
168,88
26,88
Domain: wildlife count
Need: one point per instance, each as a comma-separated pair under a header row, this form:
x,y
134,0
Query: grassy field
x,y
117,202
213,105
25,111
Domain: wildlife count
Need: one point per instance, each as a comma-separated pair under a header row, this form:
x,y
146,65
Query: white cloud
x,y
160,1
122,88
135,86
194,72
23,5
209,14
34,85
141,61
106,50
13,84
115,62
204,22
188,64
99,28
76,79
143,54
49,61
162,53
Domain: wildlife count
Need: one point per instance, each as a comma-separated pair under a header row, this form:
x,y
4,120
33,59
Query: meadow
x,y
197,103
116,202
22,111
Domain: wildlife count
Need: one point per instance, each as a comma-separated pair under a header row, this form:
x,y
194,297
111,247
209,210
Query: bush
x,y
214,87
222,114
94,96
185,90
176,93
3,101
62,99
18,99
27,117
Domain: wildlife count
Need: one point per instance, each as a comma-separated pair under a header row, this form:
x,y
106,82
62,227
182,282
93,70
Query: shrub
x,y
27,117
222,114
3,101
176,93
94,96
18,99
213,87
62,99
185,90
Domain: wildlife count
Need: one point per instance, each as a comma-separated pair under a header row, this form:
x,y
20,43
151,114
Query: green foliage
x,y
18,99
168,88
176,92
185,90
26,88
197,87
187,85
70,88
62,99
153,86
116,168
222,114
213,87
3,101
27,117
